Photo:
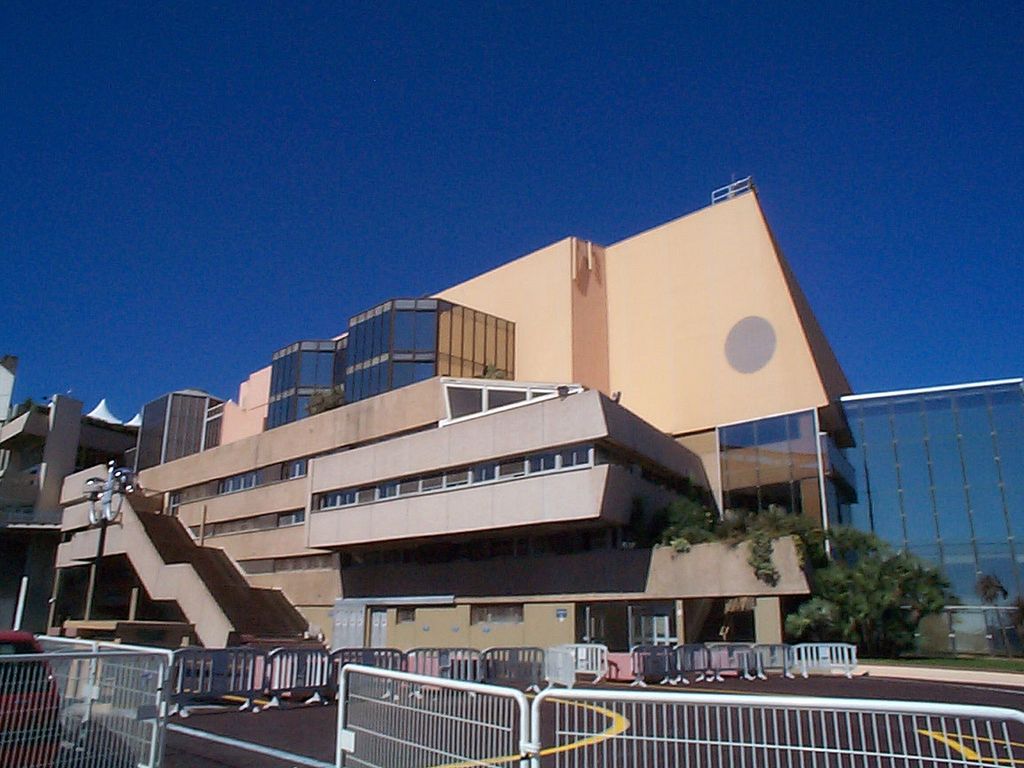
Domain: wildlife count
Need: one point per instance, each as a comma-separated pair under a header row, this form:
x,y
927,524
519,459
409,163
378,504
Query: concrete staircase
x,y
206,585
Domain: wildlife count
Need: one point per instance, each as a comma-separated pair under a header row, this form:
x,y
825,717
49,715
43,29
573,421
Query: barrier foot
x,y
639,682
762,676
316,698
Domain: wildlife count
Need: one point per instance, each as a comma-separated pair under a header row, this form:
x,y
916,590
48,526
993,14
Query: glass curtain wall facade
x,y
176,425
940,473
408,340
299,371
399,342
771,462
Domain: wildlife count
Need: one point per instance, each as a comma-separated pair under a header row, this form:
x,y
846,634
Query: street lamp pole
x,y
105,499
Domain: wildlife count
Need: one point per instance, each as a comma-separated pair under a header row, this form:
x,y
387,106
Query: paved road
x,y
309,731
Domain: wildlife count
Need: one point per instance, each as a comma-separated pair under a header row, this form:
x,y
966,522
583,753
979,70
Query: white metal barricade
x,y
449,663
604,728
299,673
560,666
776,657
825,657
74,708
590,659
382,724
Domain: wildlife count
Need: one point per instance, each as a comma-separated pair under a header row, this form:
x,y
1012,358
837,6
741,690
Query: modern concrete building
x,y
40,445
474,468
469,468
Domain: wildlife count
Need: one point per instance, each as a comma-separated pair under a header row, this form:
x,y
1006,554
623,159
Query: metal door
x,y
379,628
349,626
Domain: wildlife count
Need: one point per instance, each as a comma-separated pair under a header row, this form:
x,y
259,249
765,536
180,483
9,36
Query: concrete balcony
x,y
18,488
33,424
588,494
28,517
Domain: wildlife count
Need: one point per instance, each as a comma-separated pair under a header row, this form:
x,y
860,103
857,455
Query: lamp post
x,y
105,500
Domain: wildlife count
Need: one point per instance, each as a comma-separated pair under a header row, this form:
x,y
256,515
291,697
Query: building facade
x,y
40,445
477,472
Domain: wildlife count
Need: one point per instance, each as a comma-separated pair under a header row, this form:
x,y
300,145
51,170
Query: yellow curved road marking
x,y
970,754
619,724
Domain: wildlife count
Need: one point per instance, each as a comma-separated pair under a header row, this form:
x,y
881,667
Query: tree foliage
x,y
868,595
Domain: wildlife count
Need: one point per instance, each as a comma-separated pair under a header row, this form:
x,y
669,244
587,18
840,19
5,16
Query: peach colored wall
x,y
451,626
590,316
674,294
245,418
534,292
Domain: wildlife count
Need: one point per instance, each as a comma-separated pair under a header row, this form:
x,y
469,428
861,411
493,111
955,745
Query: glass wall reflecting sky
x,y
941,473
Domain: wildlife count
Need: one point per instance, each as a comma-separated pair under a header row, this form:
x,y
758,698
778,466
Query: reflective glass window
x,y
405,336
426,331
497,398
542,462
464,401
484,472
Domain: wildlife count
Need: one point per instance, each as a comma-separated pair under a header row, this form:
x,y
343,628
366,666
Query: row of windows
x,y
288,470
505,469
256,523
502,613
288,564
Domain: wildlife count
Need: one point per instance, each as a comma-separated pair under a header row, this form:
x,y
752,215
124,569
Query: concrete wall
x,y
393,412
534,292
451,626
557,497
245,418
707,570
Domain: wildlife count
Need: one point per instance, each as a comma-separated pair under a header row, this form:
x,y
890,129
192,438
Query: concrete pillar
x,y
680,622
768,620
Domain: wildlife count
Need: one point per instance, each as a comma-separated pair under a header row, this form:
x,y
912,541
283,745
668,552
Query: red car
x,y
29,705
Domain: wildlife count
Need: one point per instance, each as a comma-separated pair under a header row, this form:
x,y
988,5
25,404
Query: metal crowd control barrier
x,y
590,659
826,657
76,708
738,658
694,658
560,666
776,657
382,658
208,676
516,667
650,661
299,672
382,724
605,727
449,663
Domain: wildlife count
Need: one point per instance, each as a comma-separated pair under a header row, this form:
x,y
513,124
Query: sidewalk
x,y
943,675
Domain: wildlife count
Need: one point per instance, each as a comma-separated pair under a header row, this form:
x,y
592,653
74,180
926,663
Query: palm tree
x,y
990,589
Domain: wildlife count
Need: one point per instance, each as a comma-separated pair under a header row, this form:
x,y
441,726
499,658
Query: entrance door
x,y
349,626
652,624
378,628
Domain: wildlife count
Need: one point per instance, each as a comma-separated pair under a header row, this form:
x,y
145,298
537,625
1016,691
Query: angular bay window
x,y
772,463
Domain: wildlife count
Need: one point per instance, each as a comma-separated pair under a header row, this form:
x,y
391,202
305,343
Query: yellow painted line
x,y
953,744
619,724
261,702
970,754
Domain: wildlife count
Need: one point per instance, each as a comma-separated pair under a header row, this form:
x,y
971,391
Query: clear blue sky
x,y
185,188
